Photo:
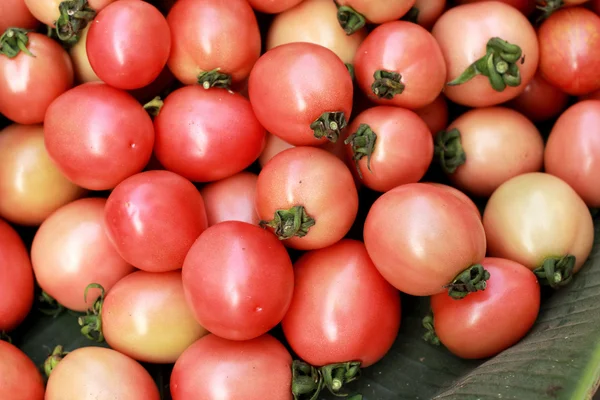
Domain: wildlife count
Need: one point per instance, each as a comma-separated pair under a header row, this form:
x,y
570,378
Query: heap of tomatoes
x,y
248,201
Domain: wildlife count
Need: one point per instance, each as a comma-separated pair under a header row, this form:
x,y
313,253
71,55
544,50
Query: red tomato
x,y
274,145
569,59
390,146
478,33
81,63
590,96
213,34
71,250
153,218
573,150
14,13
48,11
300,184
342,310
231,199
498,317
420,237
30,82
256,369
427,12
525,6
164,82
463,197
273,6
400,64
97,373
353,14
207,135
540,101
435,114
21,379
98,135
238,280
595,4
16,281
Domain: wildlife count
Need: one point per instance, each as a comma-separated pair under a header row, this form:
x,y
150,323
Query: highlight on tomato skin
x,y
21,379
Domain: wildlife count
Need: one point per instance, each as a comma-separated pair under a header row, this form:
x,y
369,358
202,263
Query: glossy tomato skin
x,y
238,280
70,250
231,199
573,150
318,181
16,280
407,49
213,34
81,62
259,368
153,218
98,135
41,79
207,135
338,289
47,11
420,237
498,316
14,13
569,59
540,100
435,114
461,195
292,85
273,6
97,373
463,32
379,11
21,379
525,6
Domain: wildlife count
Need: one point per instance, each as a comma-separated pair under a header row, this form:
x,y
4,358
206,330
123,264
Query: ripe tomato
x,y
31,187
314,21
352,14
435,114
426,12
525,6
21,379
97,373
256,369
307,197
537,220
400,64
338,289
274,145
81,63
573,150
231,199
98,135
307,113
498,317
540,100
389,146
153,218
30,82
273,6
207,135
421,237
16,13
590,96
219,38
165,82
485,147
145,316
569,59
472,36
461,195
48,11
70,250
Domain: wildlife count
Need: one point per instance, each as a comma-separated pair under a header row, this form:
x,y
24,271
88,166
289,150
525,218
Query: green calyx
x,y
309,381
362,143
547,7
448,150
500,65
387,84
556,272
49,306
350,20
470,280
329,125
214,78
52,361
430,335
13,41
74,17
91,323
411,16
290,223
154,106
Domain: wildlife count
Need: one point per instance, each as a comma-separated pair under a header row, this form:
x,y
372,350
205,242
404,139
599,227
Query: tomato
x,y
48,11
352,14
308,112
474,35
525,6
461,196
219,38
97,373
314,21
338,289
31,187
273,6
595,4
568,57
498,317
307,197
207,135
14,13
274,145
421,237
540,100
485,147
256,369
81,63
537,220
16,280
70,250
231,199
426,12
98,135
590,96
435,114
30,82
390,146
573,150
153,218
145,316
400,64
21,379
128,44
165,82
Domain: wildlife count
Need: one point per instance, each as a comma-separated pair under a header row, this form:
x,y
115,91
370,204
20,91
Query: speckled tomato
x,y
231,199
16,13
540,100
21,379
435,114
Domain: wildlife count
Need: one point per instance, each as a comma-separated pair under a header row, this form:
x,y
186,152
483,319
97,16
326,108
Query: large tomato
x,y
491,52
98,135
540,100
435,114
309,112
207,135
81,63
21,379
352,14
15,13
231,199
273,6
400,64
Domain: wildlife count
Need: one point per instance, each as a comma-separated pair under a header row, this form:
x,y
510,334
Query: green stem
x,y
350,20
336,376
91,323
449,151
290,223
350,69
214,78
362,143
547,7
74,17
430,335
54,308
154,106
52,361
412,15
387,84
13,41
329,125
470,280
307,381
556,272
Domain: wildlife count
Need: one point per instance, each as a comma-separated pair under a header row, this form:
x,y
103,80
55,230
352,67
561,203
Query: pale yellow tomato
x,y
81,63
